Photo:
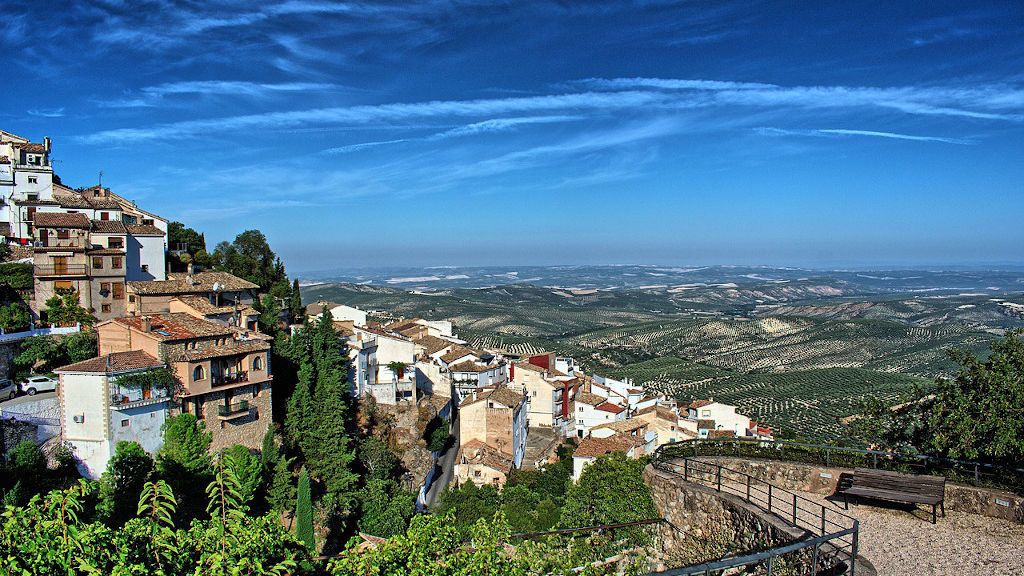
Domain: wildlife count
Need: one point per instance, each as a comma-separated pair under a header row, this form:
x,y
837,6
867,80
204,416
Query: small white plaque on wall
x,y
825,474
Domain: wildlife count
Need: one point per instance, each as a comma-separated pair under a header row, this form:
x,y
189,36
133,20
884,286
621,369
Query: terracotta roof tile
x,y
703,424
500,394
609,407
700,403
61,220
591,447
143,230
114,363
202,282
33,148
590,399
476,452
721,434
108,227
432,344
458,352
176,326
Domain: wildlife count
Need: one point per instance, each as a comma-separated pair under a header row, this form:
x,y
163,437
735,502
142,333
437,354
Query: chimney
x,y
147,324
190,270
46,144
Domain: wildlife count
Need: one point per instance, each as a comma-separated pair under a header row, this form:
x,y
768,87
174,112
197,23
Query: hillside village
x,y
187,356
514,411
506,411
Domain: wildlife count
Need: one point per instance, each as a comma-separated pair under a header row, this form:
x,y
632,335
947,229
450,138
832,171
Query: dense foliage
x,y
977,415
43,354
64,309
611,490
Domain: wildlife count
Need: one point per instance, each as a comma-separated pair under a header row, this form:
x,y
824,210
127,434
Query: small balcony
x,y
232,378
55,244
233,411
61,270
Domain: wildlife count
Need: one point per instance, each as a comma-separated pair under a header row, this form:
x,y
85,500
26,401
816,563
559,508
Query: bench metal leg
x,y
933,513
846,502
942,506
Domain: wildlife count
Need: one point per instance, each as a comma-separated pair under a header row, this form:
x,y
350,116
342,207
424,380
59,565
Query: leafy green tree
x,y
64,309
378,461
386,508
304,512
184,462
611,490
469,503
432,546
14,317
247,470
976,415
46,353
178,234
122,482
438,435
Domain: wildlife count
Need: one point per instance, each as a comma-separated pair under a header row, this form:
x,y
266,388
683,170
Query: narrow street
x,y
447,464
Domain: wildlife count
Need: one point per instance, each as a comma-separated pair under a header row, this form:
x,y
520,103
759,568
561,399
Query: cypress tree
x,y
304,512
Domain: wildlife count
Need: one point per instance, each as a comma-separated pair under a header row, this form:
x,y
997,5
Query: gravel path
x,y
897,542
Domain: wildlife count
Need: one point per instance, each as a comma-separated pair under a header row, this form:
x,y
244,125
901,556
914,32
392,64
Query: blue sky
x,y
443,133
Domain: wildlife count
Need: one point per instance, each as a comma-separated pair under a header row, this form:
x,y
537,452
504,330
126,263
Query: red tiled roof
x,y
114,363
61,220
108,227
700,403
33,148
609,407
176,326
591,447
705,424
721,434
143,230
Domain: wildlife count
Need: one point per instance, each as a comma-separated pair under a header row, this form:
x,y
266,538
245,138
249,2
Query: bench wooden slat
x,y
894,496
896,487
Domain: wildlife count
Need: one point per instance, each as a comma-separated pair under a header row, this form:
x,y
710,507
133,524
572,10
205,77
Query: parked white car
x,y
7,389
34,384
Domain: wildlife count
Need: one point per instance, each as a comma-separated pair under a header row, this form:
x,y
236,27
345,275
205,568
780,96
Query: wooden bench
x,y
896,487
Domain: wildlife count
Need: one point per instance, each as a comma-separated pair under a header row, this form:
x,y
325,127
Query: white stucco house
x,y
96,413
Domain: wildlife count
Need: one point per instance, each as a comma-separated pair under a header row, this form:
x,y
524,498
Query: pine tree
x,y
304,512
281,493
295,302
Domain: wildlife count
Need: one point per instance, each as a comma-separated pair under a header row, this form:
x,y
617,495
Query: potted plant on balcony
x,y
398,369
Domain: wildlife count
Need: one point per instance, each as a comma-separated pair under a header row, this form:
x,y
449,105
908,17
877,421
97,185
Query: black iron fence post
x,y
769,497
855,546
719,477
748,487
794,509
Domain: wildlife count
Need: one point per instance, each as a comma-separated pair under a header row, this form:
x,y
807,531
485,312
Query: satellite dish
x,y
217,287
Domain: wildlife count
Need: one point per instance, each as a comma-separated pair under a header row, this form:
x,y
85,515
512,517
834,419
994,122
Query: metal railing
x,y
233,378
830,541
65,270
968,472
231,409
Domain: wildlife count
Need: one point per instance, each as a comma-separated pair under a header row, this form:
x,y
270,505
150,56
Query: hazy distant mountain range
x,y
843,282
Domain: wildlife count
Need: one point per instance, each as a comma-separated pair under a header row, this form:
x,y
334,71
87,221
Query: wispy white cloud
x,y
767,131
361,146
362,115
668,84
474,129
638,96
47,112
500,125
149,96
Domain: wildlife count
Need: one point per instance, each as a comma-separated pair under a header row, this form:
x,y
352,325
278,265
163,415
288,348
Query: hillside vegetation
x,y
798,355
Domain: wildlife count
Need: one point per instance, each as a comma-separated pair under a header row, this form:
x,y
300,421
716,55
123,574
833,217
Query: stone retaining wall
x,y
822,480
703,525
